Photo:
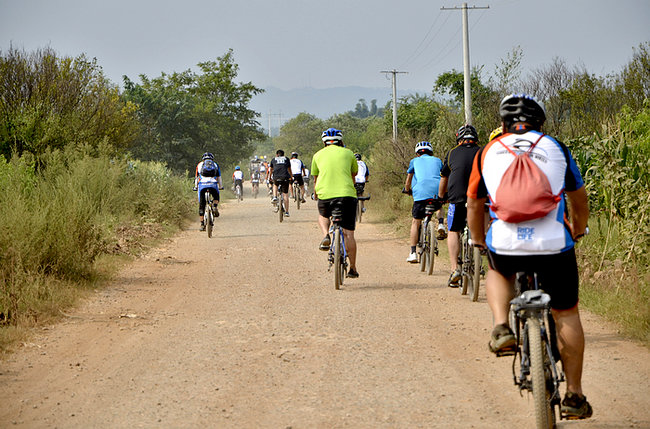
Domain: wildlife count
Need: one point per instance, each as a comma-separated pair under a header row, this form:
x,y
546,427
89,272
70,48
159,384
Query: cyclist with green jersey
x,y
333,169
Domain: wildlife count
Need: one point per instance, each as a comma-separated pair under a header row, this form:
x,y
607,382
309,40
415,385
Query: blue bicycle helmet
x,y
207,155
237,168
332,136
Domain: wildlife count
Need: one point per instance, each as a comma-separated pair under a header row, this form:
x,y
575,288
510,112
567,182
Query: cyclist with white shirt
x,y
298,171
361,179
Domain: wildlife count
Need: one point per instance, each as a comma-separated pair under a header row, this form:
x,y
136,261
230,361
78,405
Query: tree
x,y
49,102
301,134
186,114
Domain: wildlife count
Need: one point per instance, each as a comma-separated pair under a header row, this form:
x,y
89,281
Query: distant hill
x,y
322,103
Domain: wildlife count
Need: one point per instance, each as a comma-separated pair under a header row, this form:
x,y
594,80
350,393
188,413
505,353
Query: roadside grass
x,y
68,225
614,284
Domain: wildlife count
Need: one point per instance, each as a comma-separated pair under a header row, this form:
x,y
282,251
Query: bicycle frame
x,y
527,305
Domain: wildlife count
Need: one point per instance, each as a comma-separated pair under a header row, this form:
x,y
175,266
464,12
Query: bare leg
x,y
324,224
351,248
415,231
571,343
453,244
499,291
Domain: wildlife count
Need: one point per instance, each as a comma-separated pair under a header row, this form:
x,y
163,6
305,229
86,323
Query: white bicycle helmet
x,y
423,146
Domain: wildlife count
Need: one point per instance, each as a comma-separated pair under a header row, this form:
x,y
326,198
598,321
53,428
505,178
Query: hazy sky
x,y
326,43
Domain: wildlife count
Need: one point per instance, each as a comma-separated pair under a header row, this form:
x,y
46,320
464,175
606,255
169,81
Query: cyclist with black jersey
x,y
280,173
453,183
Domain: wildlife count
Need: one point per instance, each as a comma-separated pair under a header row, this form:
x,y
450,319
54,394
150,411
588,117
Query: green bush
x,y
57,221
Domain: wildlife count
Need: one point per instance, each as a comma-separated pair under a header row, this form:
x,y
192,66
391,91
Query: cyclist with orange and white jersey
x,y
533,232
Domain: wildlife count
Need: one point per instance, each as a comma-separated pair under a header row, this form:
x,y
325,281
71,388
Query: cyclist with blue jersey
x,y
422,181
534,232
207,177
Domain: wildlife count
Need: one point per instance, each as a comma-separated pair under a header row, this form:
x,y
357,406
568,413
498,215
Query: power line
x,y
413,54
466,66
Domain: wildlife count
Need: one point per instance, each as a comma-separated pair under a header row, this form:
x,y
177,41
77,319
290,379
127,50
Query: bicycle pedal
x,y
506,352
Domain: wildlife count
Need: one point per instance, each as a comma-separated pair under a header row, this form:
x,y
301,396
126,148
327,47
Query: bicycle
x,y
208,216
279,205
428,242
256,189
471,266
361,207
238,192
536,348
295,188
337,254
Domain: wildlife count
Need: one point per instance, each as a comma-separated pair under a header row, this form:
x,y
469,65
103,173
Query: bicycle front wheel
x,y
338,252
432,248
541,396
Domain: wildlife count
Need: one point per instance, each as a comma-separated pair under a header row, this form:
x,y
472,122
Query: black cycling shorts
x,y
298,178
557,274
456,217
348,206
283,185
420,206
359,187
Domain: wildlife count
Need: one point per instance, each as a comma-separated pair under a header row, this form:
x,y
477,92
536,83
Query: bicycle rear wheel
x,y
465,278
298,198
338,266
359,211
475,270
424,249
432,246
281,207
541,395
209,221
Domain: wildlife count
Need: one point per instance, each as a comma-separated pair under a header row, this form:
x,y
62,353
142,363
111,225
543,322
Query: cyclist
x,y
255,180
361,179
305,178
423,182
238,179
333,169
207,178
455,176
497,132
280,173
544,244
298,170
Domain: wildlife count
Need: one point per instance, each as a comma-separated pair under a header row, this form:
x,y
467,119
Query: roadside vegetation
x,y
604,120
89,175
88,170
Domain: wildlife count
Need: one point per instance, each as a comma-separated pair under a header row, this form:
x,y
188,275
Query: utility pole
x,y
468,85
394,73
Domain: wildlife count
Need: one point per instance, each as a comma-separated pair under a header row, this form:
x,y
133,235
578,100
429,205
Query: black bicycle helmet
x,y
207,155
522,108
466,132
357,156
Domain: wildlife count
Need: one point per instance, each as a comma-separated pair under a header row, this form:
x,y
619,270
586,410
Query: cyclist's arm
x,y
442,188
476,220
578,211
407,184
314,186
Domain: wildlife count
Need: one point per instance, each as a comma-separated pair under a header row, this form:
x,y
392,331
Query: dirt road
x,y
245,330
